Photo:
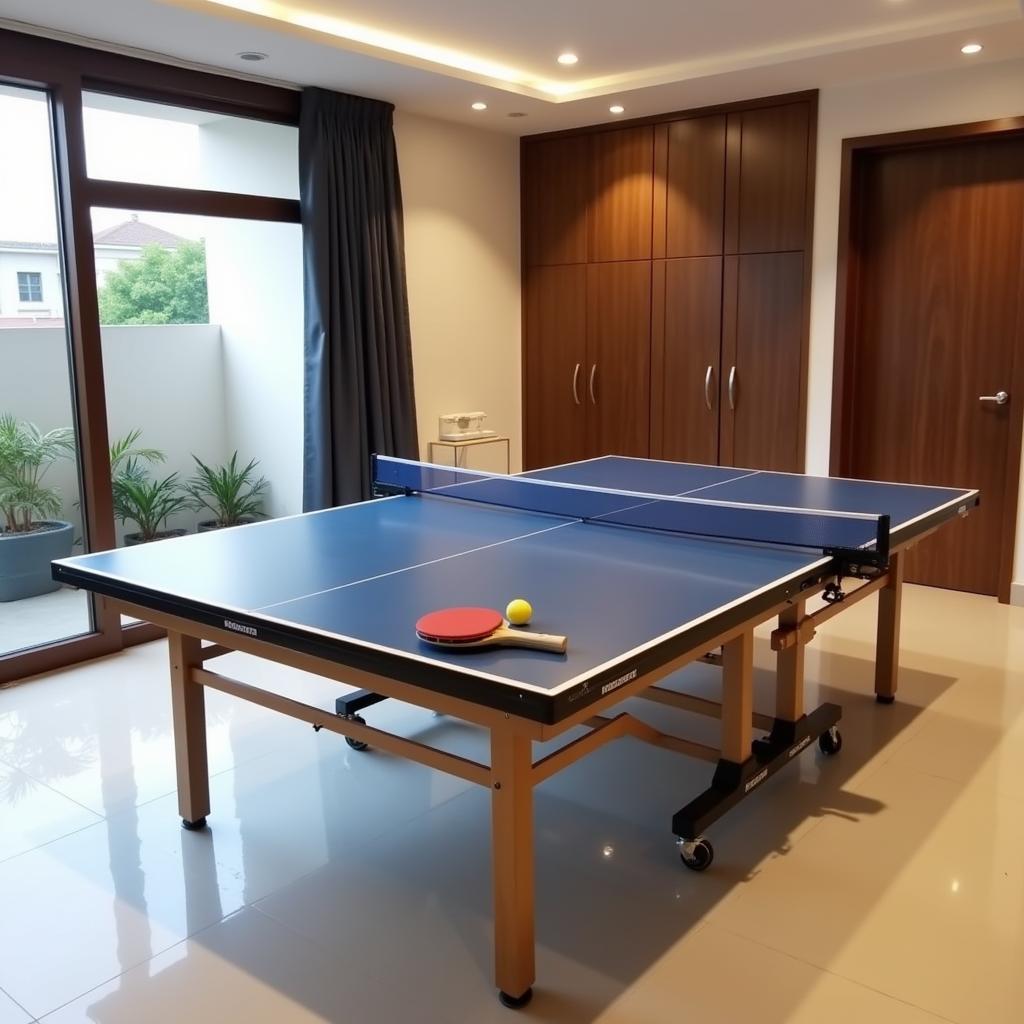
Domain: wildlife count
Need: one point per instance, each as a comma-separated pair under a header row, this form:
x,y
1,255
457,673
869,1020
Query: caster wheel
x,y
357,744
830,742
698,855
881,698
193,826
515,1002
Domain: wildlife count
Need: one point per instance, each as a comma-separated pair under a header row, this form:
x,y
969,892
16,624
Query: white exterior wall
x,y
147,372
254,273
977,93
44,263
460,191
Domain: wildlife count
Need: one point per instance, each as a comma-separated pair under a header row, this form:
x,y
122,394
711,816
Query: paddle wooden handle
x,y
539,641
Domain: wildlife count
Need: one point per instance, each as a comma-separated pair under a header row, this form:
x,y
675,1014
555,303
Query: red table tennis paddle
x,y
481,627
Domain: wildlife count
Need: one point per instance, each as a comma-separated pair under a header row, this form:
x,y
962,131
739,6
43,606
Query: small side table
x,y
458,449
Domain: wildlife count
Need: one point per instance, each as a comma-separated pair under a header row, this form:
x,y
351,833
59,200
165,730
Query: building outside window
x,y
30,286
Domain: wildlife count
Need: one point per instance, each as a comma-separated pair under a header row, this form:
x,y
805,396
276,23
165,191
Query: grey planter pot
x,y
209,525
132,540
25,560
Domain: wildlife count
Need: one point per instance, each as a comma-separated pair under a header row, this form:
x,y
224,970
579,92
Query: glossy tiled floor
x,y
883,885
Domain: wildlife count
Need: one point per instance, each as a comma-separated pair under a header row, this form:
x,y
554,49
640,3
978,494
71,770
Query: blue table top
x,y
350,583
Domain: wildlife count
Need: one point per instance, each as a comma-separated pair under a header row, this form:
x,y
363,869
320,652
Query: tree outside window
x,y
164,286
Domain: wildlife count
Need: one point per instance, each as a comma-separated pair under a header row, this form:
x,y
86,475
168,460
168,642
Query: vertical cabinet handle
x,y
732,388
593,374
575,383
707,389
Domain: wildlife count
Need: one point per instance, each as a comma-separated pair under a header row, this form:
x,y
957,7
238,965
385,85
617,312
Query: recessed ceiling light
x,y
479,106
616,108
567,59
970,48
252,55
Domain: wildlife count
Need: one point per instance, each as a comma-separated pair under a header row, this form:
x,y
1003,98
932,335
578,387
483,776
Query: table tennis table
x,y
646,566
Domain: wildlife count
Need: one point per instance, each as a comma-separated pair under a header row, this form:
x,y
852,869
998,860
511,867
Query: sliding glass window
x,y
40,489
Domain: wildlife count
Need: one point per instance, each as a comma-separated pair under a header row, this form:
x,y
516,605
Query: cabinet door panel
x,y
623,191
695,184
763,299
689,380
619,358
772,173
556,194
556,317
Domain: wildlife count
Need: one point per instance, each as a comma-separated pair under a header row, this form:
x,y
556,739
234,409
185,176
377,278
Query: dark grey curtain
x,y
358,356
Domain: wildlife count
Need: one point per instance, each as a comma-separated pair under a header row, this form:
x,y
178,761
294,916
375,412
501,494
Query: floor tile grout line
x,y
132,967
833,973
52,789
24,1009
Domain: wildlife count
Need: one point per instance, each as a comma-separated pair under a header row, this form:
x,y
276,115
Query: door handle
x,y
590,386
732,388
575,383
1000,398
707,389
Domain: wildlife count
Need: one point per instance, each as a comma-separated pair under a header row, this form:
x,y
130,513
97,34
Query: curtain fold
x,y
358,385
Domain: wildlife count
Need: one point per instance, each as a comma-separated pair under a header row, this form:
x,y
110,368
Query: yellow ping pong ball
x,y
518,612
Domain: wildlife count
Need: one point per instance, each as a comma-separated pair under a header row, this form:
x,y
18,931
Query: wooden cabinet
x,y
556,365
687,350
762,341
588,371
623,190
660,261
767,191
618,358
694,183
556,191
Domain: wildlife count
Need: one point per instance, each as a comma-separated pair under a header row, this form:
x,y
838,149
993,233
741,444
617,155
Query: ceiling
x,y
439,57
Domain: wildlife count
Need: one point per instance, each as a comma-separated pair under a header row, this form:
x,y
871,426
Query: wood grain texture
x,y
658,276
556,191
773,179
691,313
936,324
695,187
768,316
555,351
619,346
621,213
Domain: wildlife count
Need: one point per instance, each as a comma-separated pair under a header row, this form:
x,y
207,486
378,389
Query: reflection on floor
x,y
883,885
42,620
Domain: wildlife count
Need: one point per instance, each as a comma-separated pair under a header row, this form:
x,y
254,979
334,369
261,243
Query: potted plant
x,y
147,502
125,448
233,493
31,535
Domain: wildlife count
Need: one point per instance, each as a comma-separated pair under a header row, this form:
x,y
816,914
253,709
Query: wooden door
x,y
694,186
767,188
762,338
556,197
555,372
621,212
618,358
937,317
687,358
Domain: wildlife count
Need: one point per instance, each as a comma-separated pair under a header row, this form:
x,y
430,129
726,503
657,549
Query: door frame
x,y
857,154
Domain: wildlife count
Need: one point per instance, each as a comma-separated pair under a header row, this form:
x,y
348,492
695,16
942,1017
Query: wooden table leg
x,y
887,652
737,696
188,709
789,673
512,853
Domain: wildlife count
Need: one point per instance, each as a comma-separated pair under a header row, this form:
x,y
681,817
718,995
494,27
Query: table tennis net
x,y
858,537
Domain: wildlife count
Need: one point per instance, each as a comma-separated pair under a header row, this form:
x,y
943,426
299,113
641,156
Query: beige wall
x,y
460,189
896,104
